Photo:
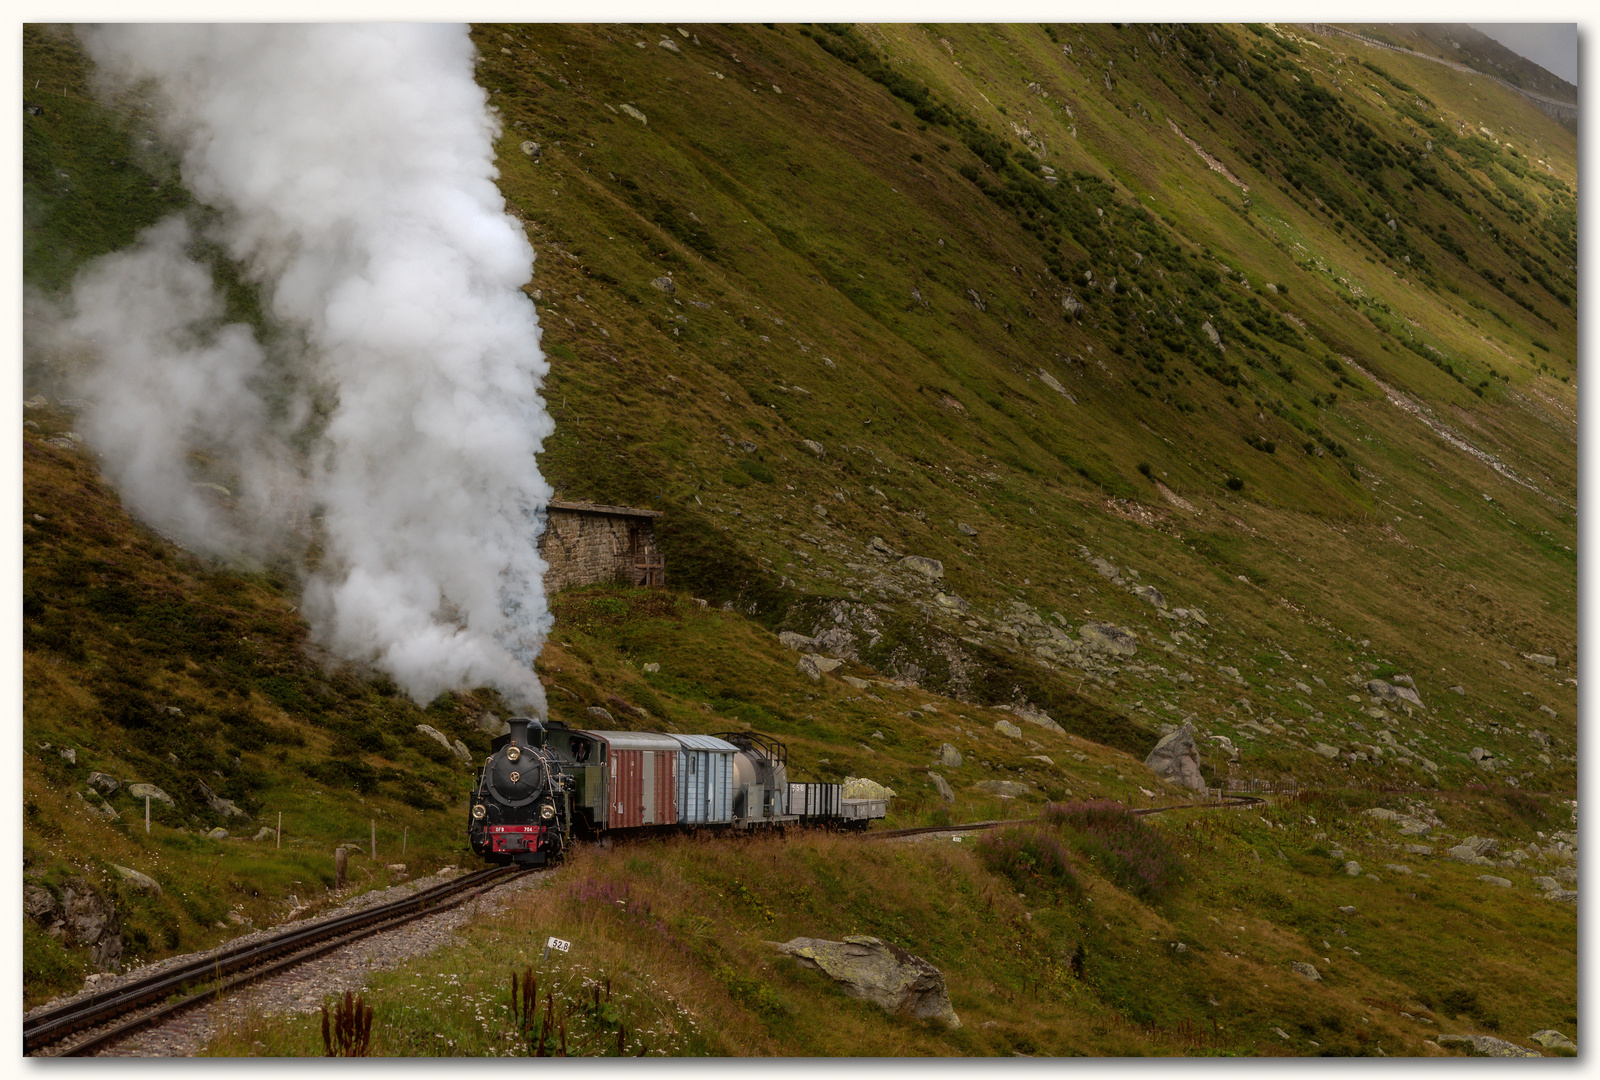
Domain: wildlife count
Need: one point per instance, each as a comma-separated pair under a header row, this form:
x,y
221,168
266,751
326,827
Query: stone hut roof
x,y
600,508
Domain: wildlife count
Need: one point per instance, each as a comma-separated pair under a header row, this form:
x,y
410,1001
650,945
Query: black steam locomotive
x,y
545,785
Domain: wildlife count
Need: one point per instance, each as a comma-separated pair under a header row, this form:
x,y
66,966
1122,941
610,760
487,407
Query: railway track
x,y
81,1027
1228,801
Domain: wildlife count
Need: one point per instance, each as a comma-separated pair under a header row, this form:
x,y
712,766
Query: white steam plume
x,y
351,171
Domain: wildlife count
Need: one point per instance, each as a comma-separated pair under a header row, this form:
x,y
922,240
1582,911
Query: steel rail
x,y
1227,802
52,1026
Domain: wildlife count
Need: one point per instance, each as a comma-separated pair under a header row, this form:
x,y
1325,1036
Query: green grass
x,y
827,295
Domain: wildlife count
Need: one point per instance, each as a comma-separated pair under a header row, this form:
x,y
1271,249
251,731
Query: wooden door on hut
x,y
649,566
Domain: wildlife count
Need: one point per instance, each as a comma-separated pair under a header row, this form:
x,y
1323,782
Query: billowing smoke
x,y
348,173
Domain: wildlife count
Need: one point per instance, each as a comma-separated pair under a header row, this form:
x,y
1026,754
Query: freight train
x,y
545,785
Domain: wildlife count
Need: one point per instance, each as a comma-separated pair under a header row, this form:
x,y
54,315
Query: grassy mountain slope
x,y
1321,396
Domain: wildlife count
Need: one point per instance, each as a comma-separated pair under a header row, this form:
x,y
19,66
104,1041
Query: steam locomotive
x,y
545,785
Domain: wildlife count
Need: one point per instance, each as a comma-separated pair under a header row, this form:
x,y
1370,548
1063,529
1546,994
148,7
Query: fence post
x,y
339,860
374,823
280,828
404,836
147,815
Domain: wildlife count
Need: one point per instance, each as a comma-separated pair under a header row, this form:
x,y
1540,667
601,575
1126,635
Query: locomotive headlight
x,y
478,812
547,811
512,753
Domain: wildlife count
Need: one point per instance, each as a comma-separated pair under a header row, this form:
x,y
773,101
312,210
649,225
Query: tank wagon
x,y
545,785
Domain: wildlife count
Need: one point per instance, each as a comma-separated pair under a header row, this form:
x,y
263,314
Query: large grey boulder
x,y
136,881
875,971
1177,758
1305,971
932,569
798,642
1109,639
104,784
1486,1045
859,787
949,755
436,735
942,786
1551,1039
1005,727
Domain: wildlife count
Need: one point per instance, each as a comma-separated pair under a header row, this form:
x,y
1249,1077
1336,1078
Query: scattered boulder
x,y
1329,752
1109,639
69,755
1352,868
1486,1045
150,791
219,805
1150,595
1211,333
797,642
602,715
942,786
1492,880
811,446
266,832
1540,658
1024,711
1553,1040
635,113
530,148
949,755
105,785
136,881
1005,727
932,569
1393,695
1177,758
439,737
812,665
1009,789
858,787
877,544
1107,570
219,833
1380,813
1232,673
884,974
462,752
859,684
965,530
1305,971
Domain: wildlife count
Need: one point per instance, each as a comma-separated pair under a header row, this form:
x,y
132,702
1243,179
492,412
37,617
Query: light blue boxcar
x,y
705,780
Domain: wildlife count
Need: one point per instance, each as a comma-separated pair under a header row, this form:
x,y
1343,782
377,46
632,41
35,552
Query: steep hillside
x,y
1211,374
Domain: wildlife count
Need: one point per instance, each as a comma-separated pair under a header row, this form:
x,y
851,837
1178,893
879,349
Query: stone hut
x,y
590,544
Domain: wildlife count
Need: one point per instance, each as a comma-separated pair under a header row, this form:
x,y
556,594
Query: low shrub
x,y
1030,857
1129,852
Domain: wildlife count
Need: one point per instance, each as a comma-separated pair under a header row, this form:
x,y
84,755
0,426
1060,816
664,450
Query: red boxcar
x,y
641,779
